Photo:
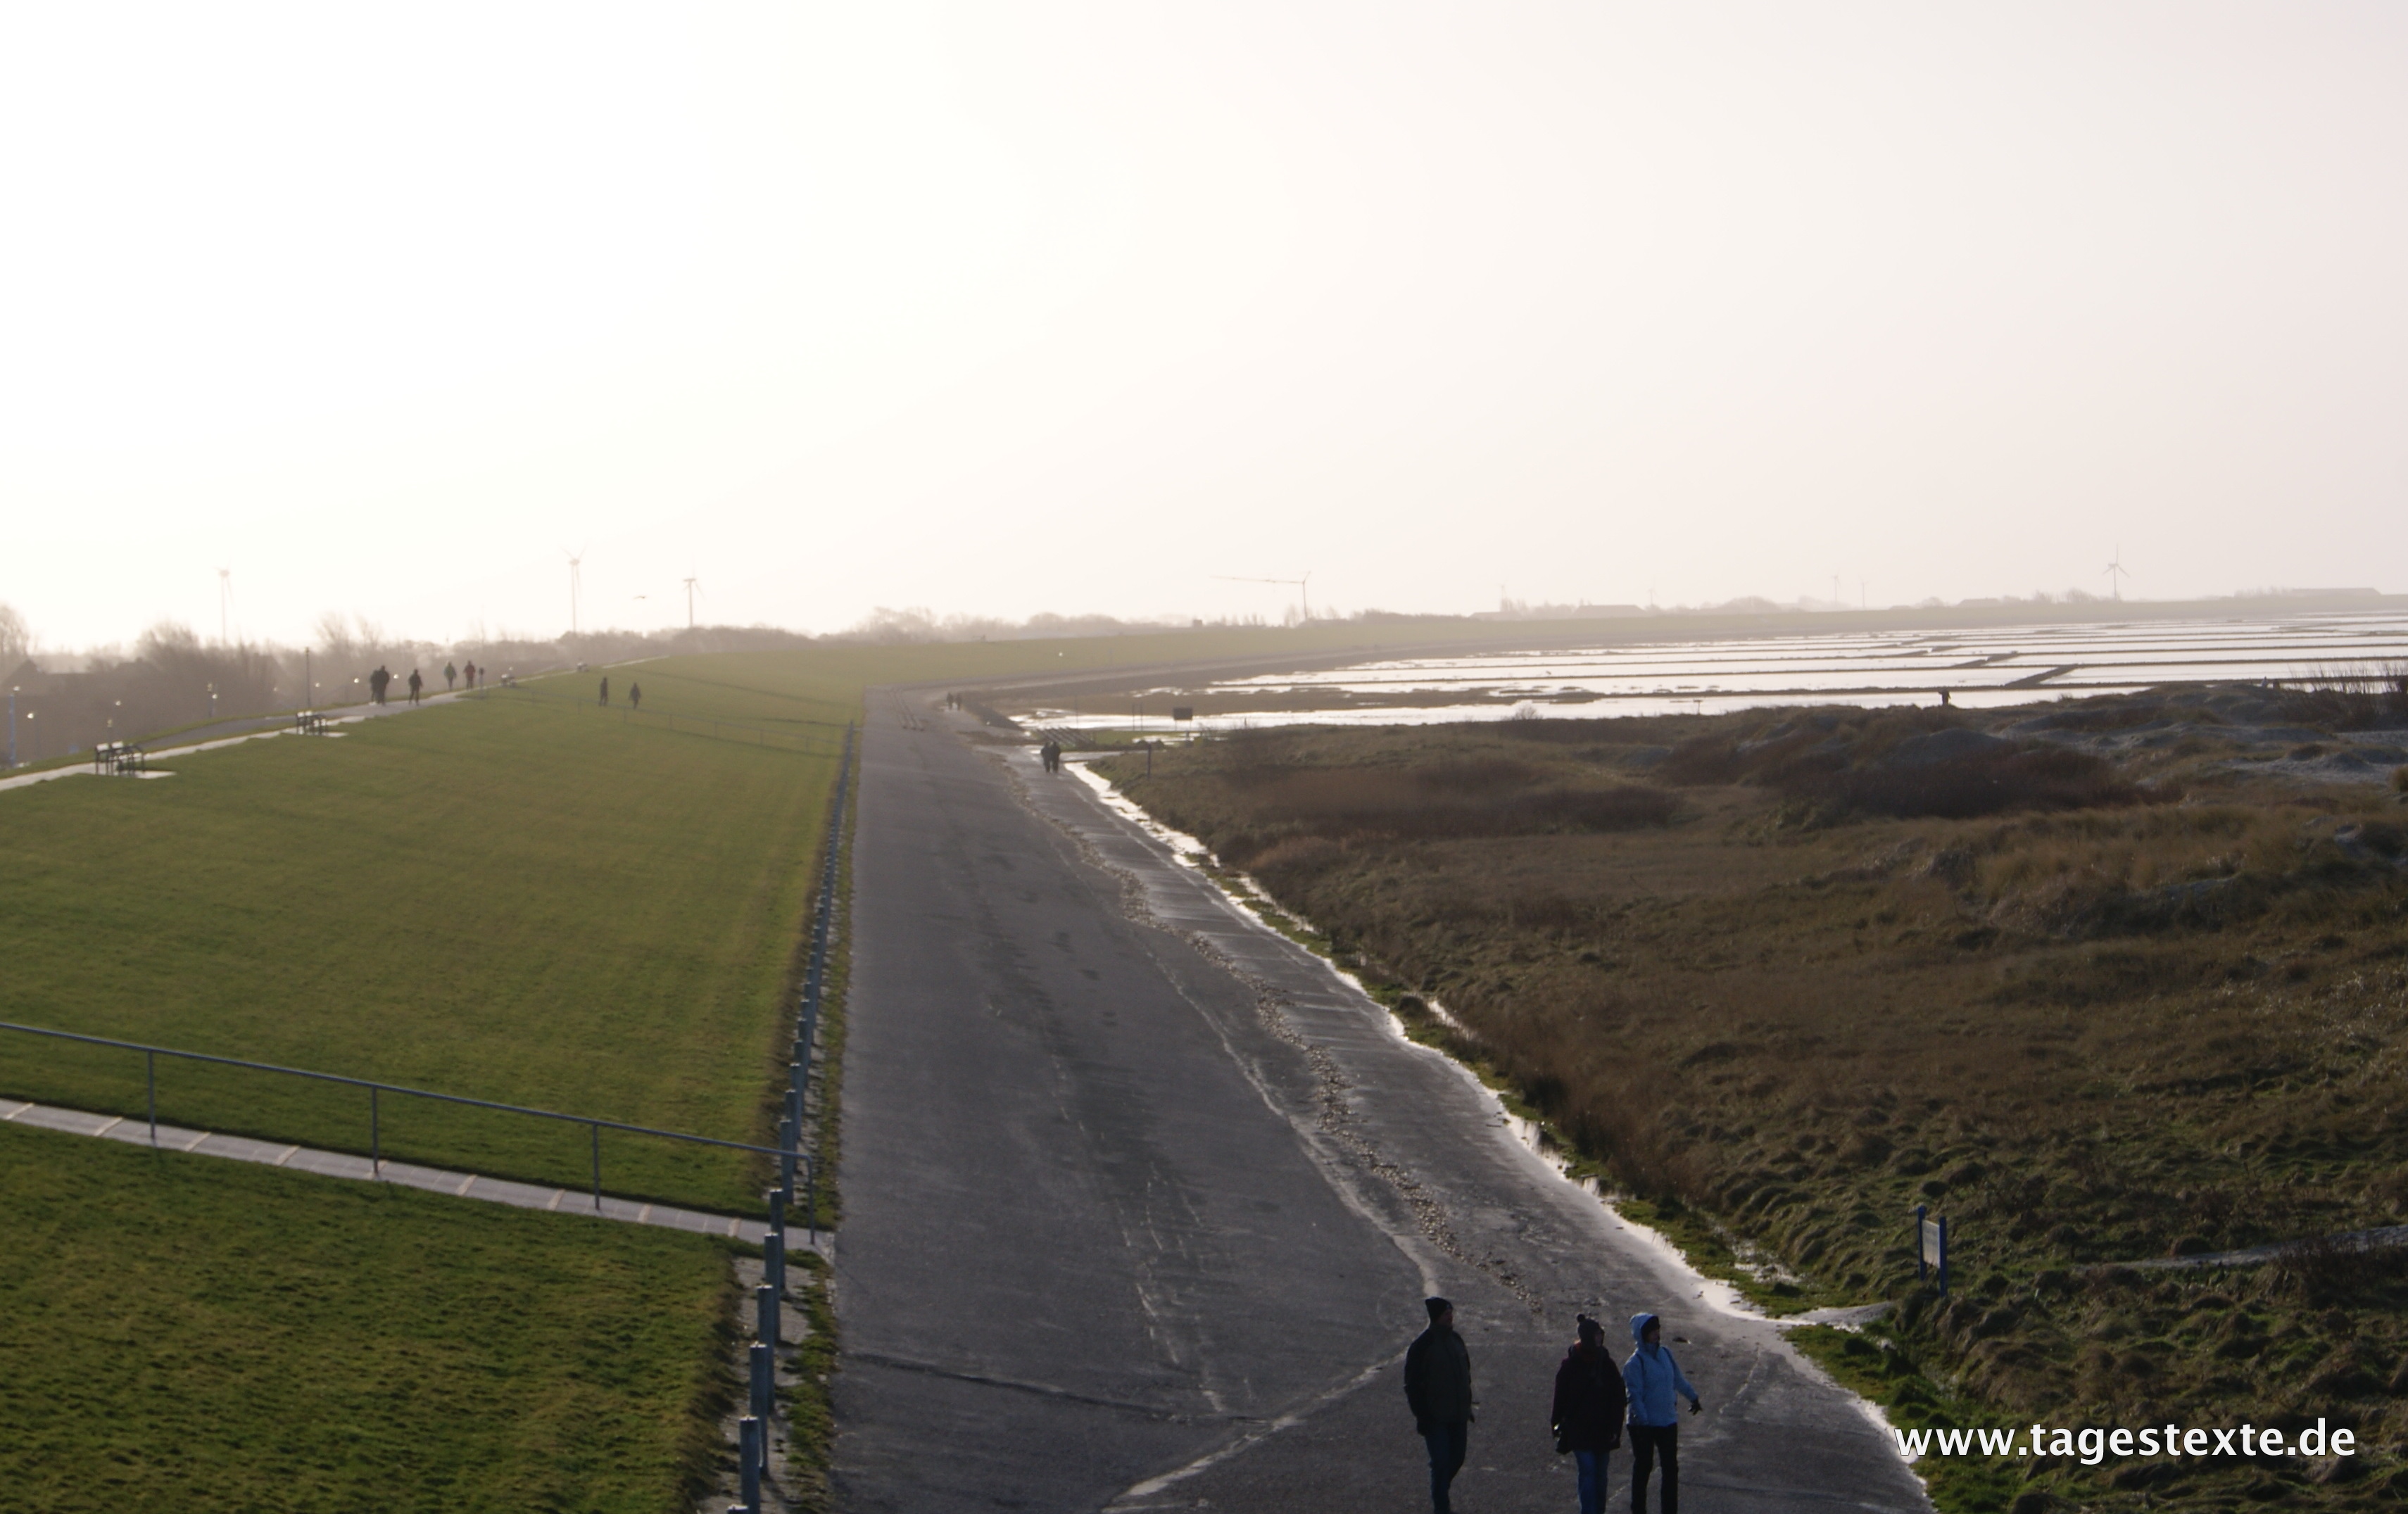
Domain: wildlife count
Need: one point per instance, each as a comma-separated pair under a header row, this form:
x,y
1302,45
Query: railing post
x,y
376,1137
151,1085
773,1261
764,1314
763,1380
812,1202
597,1129
749,1450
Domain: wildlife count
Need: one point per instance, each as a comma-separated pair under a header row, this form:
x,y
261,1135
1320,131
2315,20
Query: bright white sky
x,y
1072,305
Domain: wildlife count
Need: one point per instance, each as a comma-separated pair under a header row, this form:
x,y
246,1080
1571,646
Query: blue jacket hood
x,y
1653,1379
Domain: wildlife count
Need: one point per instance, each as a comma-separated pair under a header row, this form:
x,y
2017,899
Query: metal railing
x,y
753,1428
595,1124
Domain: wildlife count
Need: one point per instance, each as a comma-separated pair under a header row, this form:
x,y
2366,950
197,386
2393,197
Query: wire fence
x,y
594,1125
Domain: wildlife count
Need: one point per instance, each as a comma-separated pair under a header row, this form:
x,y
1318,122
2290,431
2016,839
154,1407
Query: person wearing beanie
x,y
1650,1379
1438,1389
1588,1415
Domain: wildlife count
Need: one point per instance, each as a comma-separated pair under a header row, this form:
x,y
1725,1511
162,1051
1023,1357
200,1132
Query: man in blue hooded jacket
x,y
1651,1379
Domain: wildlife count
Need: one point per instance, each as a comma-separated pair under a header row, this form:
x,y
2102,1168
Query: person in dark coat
x,y
416,683
1438,1389
1588,1416
377,681
606,691
635,696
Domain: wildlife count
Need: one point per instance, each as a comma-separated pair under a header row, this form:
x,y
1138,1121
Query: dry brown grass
x,y
2088,1034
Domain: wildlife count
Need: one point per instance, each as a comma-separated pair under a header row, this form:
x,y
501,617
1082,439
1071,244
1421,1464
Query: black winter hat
x,y
1436,1307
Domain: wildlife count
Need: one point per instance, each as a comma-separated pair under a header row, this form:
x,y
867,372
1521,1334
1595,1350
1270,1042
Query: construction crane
x,y
1304,593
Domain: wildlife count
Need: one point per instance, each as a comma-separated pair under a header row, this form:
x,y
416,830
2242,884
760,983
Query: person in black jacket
x,y
1438,1389
1588,1416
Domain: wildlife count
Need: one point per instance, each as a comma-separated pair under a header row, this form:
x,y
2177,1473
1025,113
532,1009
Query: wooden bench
x,y
310,722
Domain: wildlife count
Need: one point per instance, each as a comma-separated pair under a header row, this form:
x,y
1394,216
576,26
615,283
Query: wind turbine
x,y
689,604
2116,573
1301,586
576,581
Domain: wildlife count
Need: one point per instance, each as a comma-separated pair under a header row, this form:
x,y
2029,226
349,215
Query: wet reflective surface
x,y
1989,667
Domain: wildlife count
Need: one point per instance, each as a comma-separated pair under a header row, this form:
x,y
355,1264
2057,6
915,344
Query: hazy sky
x,y
1008,306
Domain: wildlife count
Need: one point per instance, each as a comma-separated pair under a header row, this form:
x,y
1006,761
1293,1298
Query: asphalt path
x,y
1140,1201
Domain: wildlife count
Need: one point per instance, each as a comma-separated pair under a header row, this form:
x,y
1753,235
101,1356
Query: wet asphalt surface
x,y
1141,1201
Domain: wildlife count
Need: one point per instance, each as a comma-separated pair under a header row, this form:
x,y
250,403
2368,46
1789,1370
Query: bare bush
x,y
1966,786
2366,701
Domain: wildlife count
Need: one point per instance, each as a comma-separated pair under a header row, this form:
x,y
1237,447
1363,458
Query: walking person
x,y
606,688
377,681
451,678
1438,1389
416,683
1651,1379
1590,1399
635,696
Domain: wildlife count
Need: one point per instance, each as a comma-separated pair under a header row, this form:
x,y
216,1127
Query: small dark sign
x,y
1183,712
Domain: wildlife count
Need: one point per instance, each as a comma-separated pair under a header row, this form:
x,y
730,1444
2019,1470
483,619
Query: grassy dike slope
x,y
2091,1035
501,899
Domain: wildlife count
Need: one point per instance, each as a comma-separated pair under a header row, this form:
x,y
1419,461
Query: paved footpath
x,y
467,1185
250,729
1141,1201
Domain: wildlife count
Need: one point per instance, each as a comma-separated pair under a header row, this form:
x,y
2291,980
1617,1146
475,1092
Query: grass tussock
x,y
2090,1028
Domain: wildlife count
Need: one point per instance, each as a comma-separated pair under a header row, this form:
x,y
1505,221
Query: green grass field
x,y
185,1334
500,899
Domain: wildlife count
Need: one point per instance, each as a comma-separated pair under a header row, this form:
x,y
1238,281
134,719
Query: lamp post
x,y
12,725
33,737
